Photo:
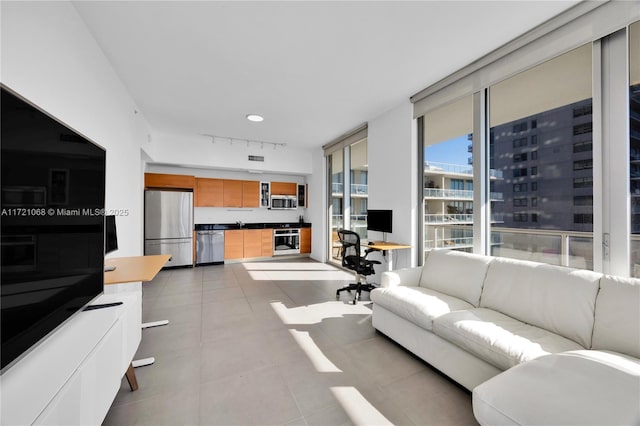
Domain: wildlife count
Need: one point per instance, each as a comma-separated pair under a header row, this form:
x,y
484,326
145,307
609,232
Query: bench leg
x,y
131,378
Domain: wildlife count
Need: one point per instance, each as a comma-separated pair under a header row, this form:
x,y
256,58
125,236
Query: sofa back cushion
x,y
455,273
617,321
558,299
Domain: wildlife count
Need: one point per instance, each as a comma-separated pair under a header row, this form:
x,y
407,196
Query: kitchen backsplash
x,y
232,215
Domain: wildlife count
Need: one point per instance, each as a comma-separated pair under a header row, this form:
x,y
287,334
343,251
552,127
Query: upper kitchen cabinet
x,y
162,180
250,193
232,193
284,188
209,192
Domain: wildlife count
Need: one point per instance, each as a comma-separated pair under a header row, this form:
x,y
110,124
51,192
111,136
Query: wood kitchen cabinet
x,y
234,244
284,188
209,192
305,240
247,243
250,193
267,242
232,193
162,180
252,242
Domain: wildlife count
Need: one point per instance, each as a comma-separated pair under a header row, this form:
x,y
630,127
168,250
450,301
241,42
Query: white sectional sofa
x,y
536,343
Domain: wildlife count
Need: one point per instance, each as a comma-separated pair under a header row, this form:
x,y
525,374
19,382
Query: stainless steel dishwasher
x,y
209,246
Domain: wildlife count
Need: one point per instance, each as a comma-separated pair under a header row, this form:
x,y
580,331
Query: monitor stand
x,y
109,268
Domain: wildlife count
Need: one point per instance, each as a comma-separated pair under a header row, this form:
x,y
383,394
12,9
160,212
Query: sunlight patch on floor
x,y
319,360
314,314
359,410
288,266
285,275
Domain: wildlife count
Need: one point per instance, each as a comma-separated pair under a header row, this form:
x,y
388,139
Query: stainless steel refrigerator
x,y
168,225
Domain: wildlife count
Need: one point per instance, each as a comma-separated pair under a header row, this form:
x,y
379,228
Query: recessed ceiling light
x,y
255,117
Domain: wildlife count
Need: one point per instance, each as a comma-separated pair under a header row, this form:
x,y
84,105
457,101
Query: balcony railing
x,y
566,248
458,219
458,194
451,243
356,189
433,167
359,189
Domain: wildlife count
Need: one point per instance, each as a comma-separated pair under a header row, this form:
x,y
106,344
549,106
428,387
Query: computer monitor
x,y
380,220
110,238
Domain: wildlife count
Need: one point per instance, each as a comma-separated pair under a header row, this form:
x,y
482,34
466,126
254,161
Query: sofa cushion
x,y
416,304
556,298
580,388
617,321
497,338
455,273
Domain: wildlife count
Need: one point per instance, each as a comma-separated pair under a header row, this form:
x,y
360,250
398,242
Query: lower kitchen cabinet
x,y
249,243
305,240
252,243
267,242
234,244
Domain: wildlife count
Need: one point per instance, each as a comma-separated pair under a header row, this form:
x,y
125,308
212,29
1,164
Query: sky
x,y
453,151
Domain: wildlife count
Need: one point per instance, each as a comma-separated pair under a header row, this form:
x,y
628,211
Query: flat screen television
x,y
380,220
52,225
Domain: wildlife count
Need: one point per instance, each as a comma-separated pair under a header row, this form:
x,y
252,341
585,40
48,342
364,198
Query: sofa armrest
x,y
407,276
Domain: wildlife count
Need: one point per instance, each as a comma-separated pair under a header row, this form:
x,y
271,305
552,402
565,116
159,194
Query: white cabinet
x,y
72,377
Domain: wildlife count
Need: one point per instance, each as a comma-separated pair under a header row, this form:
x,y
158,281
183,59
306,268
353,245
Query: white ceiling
x,y
314,70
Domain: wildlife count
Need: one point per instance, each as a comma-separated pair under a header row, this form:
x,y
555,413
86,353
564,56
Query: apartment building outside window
x,y
359,188
335,162
560,111
448,180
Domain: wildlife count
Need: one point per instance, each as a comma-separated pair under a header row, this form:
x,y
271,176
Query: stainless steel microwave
x,y
284,202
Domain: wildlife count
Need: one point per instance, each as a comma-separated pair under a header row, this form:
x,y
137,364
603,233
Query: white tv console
x,y
73,376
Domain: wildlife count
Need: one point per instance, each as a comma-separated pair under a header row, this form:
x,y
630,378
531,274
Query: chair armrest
x,y
407,276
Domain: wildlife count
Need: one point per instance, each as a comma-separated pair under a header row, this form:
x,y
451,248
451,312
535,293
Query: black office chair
x,y
352,259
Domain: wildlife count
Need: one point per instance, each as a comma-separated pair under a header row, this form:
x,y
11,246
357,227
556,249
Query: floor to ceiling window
x,y
347,169
551,136
634,148
541,140
335,162
359,188
448,177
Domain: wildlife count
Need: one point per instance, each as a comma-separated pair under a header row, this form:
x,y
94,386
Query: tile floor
x,y
266,343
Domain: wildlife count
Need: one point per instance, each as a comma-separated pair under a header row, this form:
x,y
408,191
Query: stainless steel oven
x,y
286,241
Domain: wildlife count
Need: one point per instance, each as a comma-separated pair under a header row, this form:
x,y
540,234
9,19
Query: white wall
x,y
50,58
392,146
317,210
199,151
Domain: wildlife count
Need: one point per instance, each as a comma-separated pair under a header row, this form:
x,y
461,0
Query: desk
x,y
133,269
385,246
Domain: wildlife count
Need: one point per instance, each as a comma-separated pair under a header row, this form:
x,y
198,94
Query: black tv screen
x,y
380,220
52,224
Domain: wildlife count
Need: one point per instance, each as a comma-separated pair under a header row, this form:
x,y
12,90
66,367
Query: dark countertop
x,y
271,225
